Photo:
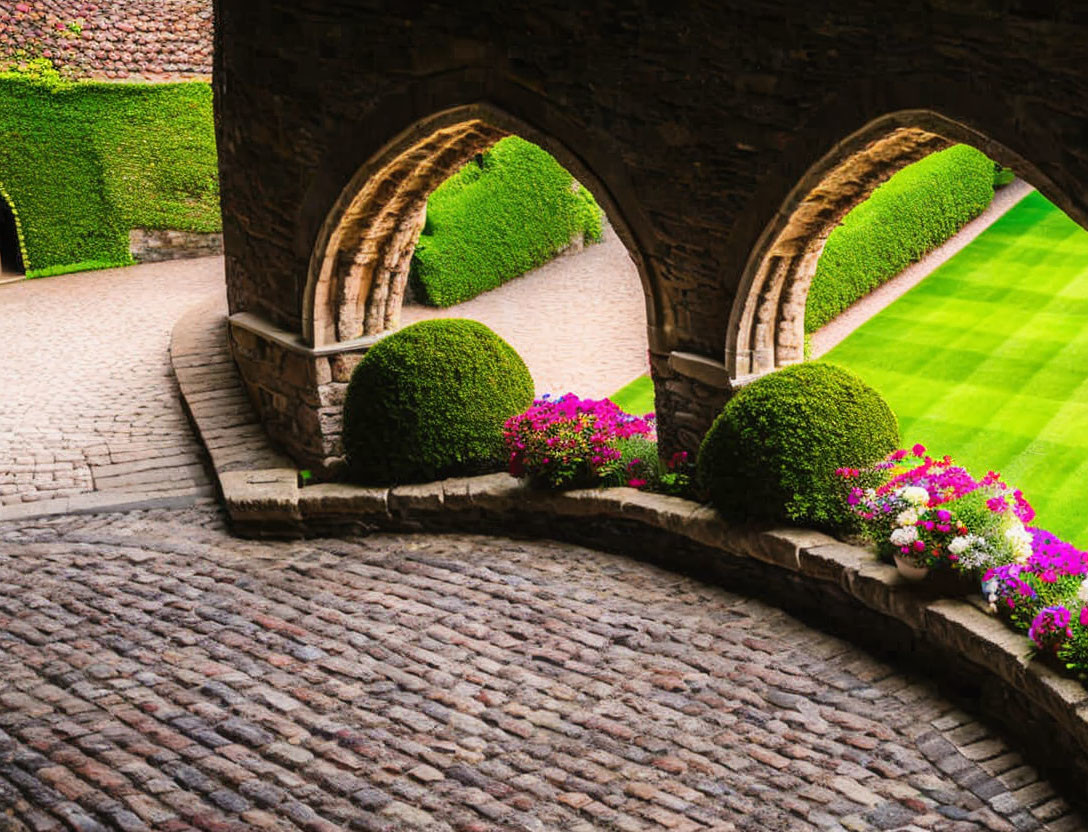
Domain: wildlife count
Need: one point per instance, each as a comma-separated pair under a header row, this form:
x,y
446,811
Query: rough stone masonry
x,y
701,128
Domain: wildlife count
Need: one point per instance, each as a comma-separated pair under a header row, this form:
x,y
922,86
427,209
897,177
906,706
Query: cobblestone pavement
x,y
579,321
156,673
89,402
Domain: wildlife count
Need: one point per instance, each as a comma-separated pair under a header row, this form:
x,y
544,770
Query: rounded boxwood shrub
x,y
772,452
429,402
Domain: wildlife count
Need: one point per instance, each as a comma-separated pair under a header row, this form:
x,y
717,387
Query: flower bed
x,y
570,442
925,514
933,514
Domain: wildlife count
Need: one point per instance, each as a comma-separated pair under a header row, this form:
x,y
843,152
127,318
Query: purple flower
x,y
1050,628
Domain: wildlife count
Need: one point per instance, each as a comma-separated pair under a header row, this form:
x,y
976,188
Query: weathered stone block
x,y
497,492
782,547
834,562
422,497
982,638
266,500
328,500
882,588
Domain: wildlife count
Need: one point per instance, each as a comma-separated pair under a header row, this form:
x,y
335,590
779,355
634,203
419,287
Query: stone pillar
x,y
690,392
298,391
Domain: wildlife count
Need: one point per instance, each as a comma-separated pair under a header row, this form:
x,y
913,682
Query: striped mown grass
x,y
987,360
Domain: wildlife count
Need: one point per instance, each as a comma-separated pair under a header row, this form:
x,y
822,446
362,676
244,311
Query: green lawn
x,y
636,397
987,360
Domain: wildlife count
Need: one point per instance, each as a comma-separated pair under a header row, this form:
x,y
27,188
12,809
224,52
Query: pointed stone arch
x,y
766,326
358,269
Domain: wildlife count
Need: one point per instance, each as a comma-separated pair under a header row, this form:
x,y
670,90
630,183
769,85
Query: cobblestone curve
x,y
157,674
89,401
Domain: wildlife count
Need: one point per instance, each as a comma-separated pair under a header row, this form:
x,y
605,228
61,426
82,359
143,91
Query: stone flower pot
x,y
909,570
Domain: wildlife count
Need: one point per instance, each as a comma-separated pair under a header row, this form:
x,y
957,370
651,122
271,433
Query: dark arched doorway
x,y
11,254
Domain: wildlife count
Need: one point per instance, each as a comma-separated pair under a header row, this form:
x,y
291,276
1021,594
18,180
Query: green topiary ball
x,y
772,452
430,401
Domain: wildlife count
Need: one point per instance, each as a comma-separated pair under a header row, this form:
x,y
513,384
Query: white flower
x,y
907,517
959,545
915,495
1020,541
903,536
1082,592
974,552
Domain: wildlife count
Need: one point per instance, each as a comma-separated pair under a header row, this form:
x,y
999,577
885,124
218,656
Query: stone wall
x,y
133,39
700,127
155,245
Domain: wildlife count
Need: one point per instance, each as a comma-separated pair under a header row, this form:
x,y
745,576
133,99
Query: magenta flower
x,y
569,441
1050,628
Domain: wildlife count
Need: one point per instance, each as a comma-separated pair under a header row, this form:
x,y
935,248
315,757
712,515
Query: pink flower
x,y
1084,616
919,450
636,483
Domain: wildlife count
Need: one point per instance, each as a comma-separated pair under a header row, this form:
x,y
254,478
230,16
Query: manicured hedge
x,y
83,163
910,214
488,225
773,451
430,400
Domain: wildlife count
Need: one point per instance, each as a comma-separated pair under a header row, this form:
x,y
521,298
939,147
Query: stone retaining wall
x,y
155,245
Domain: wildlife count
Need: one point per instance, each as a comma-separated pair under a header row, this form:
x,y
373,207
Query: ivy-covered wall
x,y
82,163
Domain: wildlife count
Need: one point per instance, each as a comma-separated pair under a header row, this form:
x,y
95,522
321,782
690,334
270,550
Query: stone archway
x,y
766,326
11,246
358,271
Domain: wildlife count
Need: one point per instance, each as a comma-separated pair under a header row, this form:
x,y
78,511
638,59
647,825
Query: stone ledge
x,y
262,328
699,367
830,580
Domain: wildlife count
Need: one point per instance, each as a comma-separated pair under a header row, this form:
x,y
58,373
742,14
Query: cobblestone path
x,y
579,321
156,673
88,401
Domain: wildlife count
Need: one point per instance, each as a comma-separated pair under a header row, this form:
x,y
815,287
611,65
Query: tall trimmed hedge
x,y
84,163
912,213
486,225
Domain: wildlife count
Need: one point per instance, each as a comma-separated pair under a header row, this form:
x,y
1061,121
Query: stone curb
x,y
265,501
100,502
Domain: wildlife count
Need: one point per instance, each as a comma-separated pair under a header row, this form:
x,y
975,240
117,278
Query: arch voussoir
x,y
767,326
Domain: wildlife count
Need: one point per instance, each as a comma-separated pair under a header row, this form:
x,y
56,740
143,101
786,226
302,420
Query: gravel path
x,y
828,336
579,321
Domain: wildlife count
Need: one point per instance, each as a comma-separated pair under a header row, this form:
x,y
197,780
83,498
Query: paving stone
x,y
172,680
105,412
